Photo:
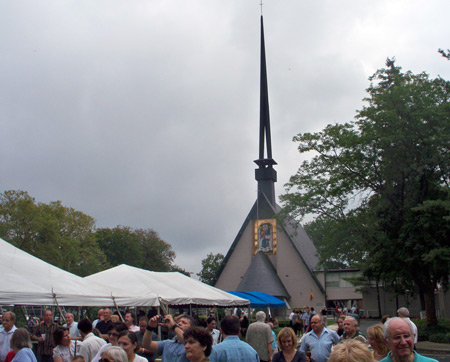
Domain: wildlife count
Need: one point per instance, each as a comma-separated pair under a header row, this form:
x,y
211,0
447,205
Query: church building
x,y
268,255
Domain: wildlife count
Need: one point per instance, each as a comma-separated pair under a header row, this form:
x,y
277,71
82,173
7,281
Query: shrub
x,y
439,338
427,333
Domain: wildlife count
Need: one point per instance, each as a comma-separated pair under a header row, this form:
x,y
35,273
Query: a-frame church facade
x,y
269,255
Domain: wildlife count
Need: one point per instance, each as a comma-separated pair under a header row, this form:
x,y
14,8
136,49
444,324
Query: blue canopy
x,y
260,299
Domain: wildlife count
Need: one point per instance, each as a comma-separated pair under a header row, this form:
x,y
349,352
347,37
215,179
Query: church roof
x,y
261,276
301,242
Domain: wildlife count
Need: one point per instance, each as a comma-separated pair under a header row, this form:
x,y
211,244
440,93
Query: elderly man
x,y
44,335
171,350
9,318
259,336
99,318
91,343
104,325
319,340
73,327
403,312
400,338
351,330
232,349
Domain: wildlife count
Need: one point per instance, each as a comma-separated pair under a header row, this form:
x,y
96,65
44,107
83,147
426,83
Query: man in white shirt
x,y
73,327
211,328
91,343
9,318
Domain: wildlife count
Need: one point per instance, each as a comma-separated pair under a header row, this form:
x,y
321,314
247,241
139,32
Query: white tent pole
x,y
117,308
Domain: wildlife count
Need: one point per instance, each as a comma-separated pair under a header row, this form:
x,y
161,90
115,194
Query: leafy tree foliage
x,y
381,183
52,232
445,54
68,239
210,267
136,247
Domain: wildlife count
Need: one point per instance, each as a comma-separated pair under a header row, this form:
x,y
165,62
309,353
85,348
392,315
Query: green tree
x,y
121,245
383,171
136,247
157,254
445,54
176,268
52,232
210,267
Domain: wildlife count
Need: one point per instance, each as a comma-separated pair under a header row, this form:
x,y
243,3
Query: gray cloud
x,y
145,113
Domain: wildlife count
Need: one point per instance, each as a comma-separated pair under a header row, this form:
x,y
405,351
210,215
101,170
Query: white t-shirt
x,y
138,358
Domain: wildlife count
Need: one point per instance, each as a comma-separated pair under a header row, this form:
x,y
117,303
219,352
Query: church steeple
x,y
265,174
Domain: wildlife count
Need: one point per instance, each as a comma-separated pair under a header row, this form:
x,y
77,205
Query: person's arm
x,y
37,335
269,345
303,346
336,338
168,319
147,341
269,348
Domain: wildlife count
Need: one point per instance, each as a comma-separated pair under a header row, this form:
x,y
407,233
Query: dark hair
x,y
118,326
210,319
132,336
230,325
144,318
58,334
202,336
131,314
85,326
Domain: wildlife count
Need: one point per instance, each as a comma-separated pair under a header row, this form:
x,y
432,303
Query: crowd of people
x,y
234,339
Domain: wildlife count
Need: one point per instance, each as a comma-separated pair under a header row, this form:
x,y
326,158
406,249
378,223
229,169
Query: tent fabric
x,y
260,299
27,280
172,288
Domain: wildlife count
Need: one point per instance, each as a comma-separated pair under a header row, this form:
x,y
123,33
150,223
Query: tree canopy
x,y
52,232
210,267
68,238
380,184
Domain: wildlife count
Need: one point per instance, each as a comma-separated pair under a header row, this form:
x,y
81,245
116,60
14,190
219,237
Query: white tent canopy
x,y
27,280
172,288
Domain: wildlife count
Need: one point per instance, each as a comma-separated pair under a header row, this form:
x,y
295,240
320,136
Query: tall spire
x,y
265,174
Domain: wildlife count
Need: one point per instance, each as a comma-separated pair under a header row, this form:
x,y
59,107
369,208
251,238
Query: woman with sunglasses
x,y
113,336
114,354
129,342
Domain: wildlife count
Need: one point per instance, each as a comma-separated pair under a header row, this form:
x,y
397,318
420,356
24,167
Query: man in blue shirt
x,y
232,349
320,340
171,350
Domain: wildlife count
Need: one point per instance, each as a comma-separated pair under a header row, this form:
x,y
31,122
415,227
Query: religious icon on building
x,y
265,236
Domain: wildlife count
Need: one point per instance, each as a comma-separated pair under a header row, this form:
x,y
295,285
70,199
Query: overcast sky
x,y
145,113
